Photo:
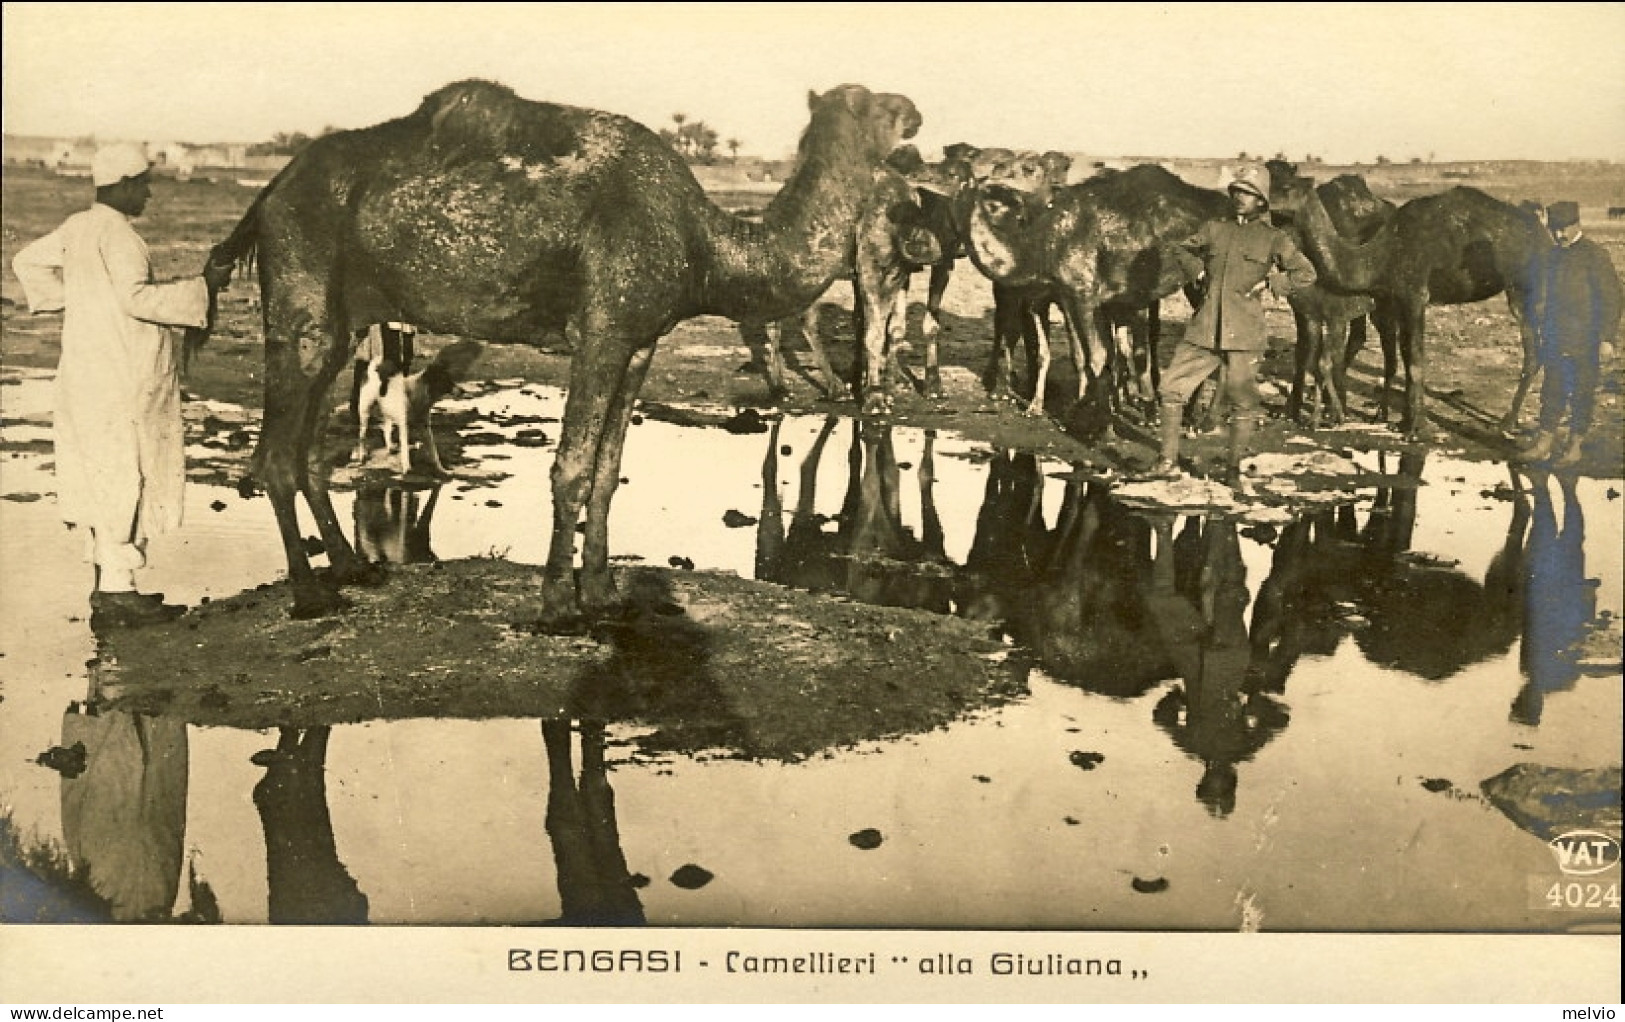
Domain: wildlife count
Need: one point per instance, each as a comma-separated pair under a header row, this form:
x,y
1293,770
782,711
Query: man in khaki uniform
x,y
1234,260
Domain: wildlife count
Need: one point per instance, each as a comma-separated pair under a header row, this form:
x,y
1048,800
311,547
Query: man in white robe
x,y
120,459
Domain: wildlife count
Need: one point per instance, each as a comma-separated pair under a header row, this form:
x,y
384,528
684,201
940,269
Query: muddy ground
x,y
325,672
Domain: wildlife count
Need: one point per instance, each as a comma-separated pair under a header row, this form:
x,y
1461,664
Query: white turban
x,y
113,163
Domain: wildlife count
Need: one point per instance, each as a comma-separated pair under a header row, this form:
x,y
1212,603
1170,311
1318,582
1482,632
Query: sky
x,y
1342,82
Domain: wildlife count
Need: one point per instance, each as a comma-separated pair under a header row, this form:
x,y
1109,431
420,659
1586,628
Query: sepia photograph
x,y
811,502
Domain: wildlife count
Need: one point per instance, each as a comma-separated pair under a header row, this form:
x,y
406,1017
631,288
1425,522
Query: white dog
x,y
403,402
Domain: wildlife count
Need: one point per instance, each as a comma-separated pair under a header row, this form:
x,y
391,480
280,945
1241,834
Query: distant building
x,y
181,159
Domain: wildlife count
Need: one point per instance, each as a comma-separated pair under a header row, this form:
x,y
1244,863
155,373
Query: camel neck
x,y
775,267
1341,263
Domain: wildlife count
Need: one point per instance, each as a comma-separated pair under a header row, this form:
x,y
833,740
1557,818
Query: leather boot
x,y
1242,428
1168,460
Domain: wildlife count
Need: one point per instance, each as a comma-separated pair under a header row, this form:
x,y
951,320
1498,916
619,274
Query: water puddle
x,y
1255,718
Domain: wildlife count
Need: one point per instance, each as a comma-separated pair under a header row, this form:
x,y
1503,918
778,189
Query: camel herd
x,y
486,215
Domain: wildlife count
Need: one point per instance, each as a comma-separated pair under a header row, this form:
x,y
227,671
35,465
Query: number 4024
x,y
1583,895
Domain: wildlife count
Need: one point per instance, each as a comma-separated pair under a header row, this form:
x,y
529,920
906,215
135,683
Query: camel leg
x,y
1097,383
1351,349
1390,324
1035,335
876,292
1007,326
931,326
597,584
1327,395
1413,352
806,325
1304,354
596,375
1527,370
765,355
281,459
896,337
344,566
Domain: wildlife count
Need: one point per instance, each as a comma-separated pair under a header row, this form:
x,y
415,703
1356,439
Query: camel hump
x,y
488,119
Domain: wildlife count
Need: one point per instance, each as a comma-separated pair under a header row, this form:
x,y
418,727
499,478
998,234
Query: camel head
x,y
994,218
1289,190
906,160
886,118
1033,175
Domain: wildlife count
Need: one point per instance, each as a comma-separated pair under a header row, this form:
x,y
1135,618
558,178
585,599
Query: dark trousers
x,y
1570,385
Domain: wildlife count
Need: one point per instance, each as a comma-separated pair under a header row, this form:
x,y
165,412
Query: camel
x,y
1331,324
892,241
1097,249
1452,248
486,215
904,235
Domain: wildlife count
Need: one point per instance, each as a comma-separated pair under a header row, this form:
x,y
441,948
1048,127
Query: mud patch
x,y
706,661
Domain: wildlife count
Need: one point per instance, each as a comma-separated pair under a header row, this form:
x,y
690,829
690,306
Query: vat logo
x,y
1585,852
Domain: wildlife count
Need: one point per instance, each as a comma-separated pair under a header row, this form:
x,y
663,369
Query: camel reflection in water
x,y
595,886
1117,600
871,555
1111,599
306,882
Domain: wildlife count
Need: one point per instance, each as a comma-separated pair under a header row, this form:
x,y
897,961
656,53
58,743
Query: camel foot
x,y
357,572
1035,407
557,612
599,596
933,384
316,599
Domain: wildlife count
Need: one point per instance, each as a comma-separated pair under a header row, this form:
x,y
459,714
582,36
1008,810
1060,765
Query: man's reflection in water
x,y
1198,598
1560,602
307,882
124,812
595,887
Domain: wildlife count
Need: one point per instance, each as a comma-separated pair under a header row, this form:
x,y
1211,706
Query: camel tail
x,y
237,252
241,245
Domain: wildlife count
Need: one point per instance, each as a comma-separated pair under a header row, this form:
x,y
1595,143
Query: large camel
x,y
1098,249
485,215
1456,247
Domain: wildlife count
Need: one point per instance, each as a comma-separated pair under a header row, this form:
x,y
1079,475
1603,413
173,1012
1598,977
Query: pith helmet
x,y
1252,177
